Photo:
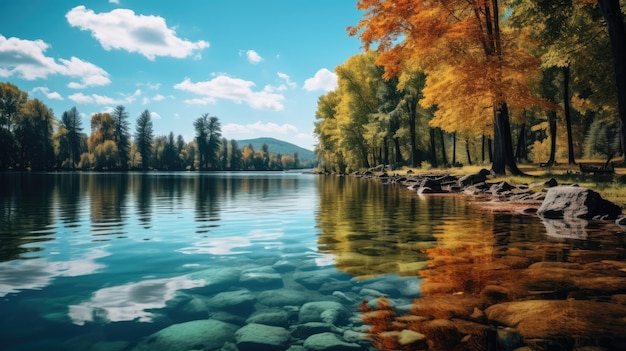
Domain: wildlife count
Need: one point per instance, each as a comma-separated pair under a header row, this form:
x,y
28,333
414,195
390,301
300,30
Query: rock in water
x,y
254,337
206,334
328,342
577,202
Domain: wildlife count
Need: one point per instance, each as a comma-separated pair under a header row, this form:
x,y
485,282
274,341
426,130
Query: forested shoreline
x,y
503,82
32,138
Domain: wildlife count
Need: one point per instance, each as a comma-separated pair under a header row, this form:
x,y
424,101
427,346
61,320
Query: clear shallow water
x,y
101,261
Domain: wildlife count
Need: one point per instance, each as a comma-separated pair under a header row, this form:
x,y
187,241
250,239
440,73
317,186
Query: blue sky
x,y
259,66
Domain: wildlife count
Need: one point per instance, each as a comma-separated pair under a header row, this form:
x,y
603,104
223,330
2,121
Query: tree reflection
x,y
107,201
489,271
21,217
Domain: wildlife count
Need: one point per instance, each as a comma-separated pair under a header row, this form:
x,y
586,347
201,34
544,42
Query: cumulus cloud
x,y
26,59
287,79
253,57
232,89
53,95
97,99
155,115
123,29
322,80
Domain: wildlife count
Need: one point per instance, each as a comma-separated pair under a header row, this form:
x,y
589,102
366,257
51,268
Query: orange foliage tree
x,y
475,69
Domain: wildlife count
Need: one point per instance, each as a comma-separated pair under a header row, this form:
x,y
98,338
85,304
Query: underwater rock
x,y
239,301
206,334
328,342
254,337
263,278
279,318
324,311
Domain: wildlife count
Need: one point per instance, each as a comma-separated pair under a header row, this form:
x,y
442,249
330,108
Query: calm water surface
x,y
97,261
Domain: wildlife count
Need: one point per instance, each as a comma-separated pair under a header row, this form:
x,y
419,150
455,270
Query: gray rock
x,y
328,342
255,337
282,297
304,330
261,279
202,334
273,318
324,311
310,279
217,279
284,266
239,301
577,202
430,186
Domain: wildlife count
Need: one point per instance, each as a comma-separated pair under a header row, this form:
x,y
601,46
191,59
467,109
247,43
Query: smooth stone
x,y
255,337
284,266
324,311
303,331
273,318
239,300
217,279
282,297
261,279
328,342
577,202
205,334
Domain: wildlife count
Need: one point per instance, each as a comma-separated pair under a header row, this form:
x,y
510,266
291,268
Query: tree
x,y
34,135
470,63
143,138
121,126
70,120
235,155
11,99
102,129
208,137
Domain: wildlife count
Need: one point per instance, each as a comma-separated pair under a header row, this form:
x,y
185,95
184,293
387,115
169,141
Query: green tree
x,y
208,138
34,135
70,120
144,134
121,126
11,100
235,155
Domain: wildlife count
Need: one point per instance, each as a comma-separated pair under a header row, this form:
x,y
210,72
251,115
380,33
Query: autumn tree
x,y
472,65
143,138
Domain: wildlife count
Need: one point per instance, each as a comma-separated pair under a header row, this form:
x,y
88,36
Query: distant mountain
x,y
276,146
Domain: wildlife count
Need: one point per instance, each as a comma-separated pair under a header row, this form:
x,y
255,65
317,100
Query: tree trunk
x,y
413,136
454,148
520,150
467,151
503,157
568,117
617,34
398,157
444,158
482,148
433,148
552,128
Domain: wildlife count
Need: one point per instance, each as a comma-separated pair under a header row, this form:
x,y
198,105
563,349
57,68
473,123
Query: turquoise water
x,y
97,261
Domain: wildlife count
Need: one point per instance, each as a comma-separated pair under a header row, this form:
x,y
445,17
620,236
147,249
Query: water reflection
x,y
488,270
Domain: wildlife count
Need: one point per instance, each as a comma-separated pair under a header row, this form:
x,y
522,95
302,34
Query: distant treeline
x,y
31,138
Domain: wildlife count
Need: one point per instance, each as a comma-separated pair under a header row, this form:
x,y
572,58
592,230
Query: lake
x,y
276,261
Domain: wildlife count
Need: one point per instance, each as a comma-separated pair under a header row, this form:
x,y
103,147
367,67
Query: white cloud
x,y
157,97
81,98
26,59
117,2
322,80
287,79
259,127
122,29
233,89
53,95
89,74
155,115
253,57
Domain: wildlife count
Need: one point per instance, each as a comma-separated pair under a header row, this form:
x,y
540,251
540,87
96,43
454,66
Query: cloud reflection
x,y
16,276
131,301
231,245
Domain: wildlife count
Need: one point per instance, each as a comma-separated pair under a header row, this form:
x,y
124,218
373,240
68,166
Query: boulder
x,y
278,318
255,337
264,278
328,342
577,202
430,186
205,334
239,302
324,311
